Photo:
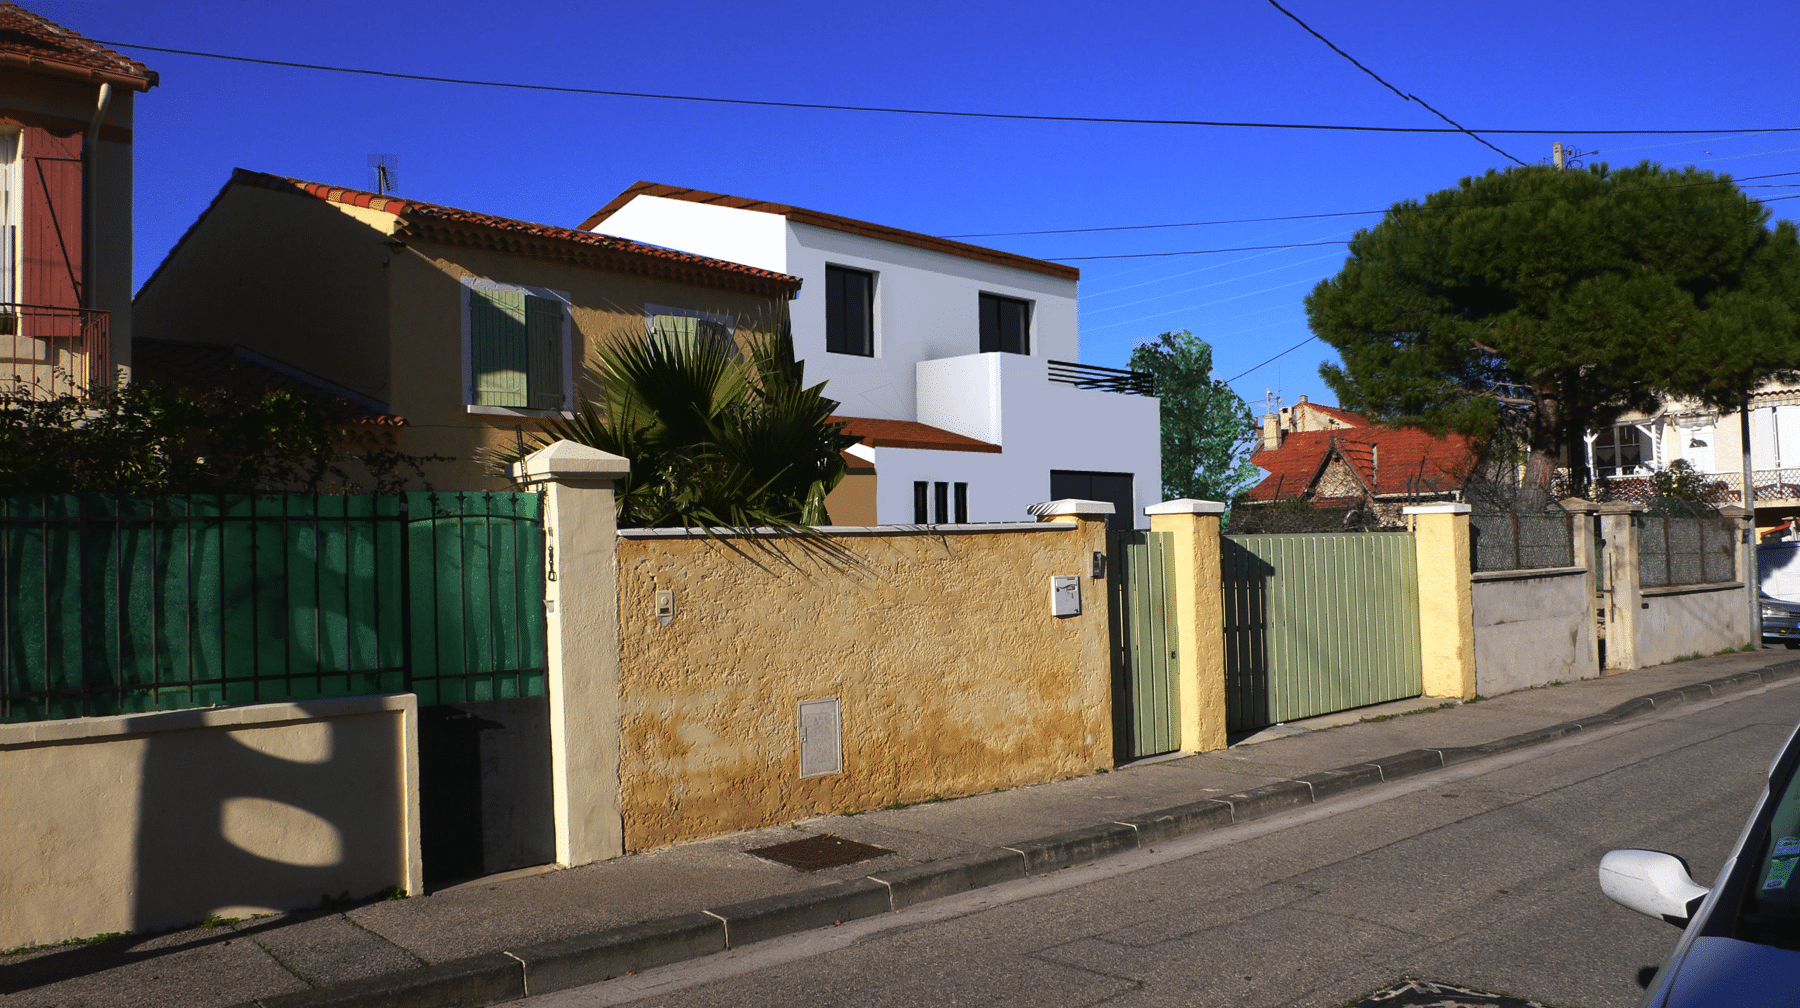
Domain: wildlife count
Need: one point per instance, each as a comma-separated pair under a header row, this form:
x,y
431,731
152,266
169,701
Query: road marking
x,y
808,944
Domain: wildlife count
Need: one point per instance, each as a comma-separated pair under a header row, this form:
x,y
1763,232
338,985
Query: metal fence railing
x,y
1511,540
1103,379
1685,551
1717,488
50,351
112,605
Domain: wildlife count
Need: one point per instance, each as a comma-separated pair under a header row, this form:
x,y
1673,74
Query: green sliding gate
x,y
1316,623
1144,660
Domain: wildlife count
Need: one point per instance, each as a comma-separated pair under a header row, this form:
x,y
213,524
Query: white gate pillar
x,y
581,602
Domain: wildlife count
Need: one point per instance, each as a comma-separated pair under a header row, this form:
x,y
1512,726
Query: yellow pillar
x,y
1199,631
1446,600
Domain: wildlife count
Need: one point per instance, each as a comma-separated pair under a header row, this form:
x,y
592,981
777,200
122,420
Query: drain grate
x,y
1431,994
822,851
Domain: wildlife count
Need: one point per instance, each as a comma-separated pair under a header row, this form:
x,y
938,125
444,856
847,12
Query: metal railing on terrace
x,y
54,350
1102,379
1721,488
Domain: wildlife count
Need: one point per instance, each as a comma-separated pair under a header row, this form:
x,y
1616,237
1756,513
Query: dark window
x,y
1005,325
921,490
943,503
1618,451
1112,487
849,311
962,503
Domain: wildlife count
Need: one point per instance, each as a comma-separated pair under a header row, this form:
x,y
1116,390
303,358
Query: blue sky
x,y
1528,64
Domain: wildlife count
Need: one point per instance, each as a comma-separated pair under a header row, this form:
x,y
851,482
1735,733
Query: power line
x,y
1351,213
1273,359
1253,248
1405,96
429,78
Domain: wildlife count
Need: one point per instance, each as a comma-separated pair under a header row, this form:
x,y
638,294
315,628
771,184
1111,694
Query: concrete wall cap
x,y
567,460
1442,507
1071,506
1622,507
1733,511
1186,505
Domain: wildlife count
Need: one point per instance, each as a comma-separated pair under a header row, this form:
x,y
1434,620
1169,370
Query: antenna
x,y
381,173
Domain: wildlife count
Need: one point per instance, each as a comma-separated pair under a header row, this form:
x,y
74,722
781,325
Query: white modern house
x,y
957,364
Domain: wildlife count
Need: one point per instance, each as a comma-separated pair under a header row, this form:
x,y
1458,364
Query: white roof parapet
x,y
1071,506
1441,507
569,460
1186,505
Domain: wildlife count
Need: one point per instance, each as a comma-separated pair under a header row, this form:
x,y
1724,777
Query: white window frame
x,y
472,283
12,215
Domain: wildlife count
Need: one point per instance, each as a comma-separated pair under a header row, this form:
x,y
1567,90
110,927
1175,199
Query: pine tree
x,y
1569,297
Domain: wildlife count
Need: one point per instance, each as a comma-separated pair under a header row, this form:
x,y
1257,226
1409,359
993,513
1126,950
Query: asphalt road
x,y
1481,875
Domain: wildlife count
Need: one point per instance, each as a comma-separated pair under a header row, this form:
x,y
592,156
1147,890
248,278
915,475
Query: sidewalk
x,y
296,952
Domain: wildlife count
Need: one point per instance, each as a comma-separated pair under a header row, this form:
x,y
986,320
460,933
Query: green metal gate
x,y
1144,660
1316,623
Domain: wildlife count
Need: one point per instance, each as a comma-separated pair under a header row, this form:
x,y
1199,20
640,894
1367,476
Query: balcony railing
x,y
51,351
1720,488
1103,379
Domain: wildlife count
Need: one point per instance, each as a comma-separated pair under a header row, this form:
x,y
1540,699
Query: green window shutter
x,y
498,347
544,342
684,330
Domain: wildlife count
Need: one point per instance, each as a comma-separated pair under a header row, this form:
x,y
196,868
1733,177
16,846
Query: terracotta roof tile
x,y
1353,419
1391,460
910,434
37,43
801,215
419,212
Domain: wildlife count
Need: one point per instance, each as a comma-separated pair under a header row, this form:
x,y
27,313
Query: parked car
x,y
1780,621
1741,945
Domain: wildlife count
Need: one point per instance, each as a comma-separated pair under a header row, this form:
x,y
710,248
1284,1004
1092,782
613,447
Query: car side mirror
x,y
1652,883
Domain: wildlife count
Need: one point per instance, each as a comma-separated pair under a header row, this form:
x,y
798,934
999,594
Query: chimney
x,y
1271,432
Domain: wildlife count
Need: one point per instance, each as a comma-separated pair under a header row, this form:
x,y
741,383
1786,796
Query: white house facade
x,y
917,330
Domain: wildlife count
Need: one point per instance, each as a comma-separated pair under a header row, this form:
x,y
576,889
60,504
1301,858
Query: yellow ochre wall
x,y
953,676
150,821
325,287
425,348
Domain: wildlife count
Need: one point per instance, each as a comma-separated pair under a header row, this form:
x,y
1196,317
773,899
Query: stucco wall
x,y
954,677
426,343
1681,621
926,302
1531,630
150,821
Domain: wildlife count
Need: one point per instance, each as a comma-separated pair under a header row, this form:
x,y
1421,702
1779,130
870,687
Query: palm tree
x,y
714,439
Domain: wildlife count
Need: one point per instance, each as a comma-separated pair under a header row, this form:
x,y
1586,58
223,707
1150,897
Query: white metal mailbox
x,y
1065,595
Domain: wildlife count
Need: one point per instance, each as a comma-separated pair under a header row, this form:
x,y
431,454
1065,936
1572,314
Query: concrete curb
x,y
498,977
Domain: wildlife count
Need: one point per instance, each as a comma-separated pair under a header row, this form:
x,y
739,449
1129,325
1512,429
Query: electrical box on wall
x,y
665,606
821,738
1065,595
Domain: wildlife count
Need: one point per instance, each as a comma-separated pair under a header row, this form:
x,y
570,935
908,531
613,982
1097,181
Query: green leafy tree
x,y
151,438
1564,298
1206,428
715,438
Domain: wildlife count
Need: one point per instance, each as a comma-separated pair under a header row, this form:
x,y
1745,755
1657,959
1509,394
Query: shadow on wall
x,y
264,819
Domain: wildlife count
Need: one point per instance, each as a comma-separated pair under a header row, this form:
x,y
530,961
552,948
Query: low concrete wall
x,y
1532,627
1694,618
952,674
149,821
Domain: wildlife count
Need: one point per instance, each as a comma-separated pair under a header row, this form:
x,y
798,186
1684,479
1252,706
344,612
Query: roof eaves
x,y
848,225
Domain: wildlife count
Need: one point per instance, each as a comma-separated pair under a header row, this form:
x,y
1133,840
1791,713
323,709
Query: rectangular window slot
x,y
921,515
1005,325
962,503
941,497
849,311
